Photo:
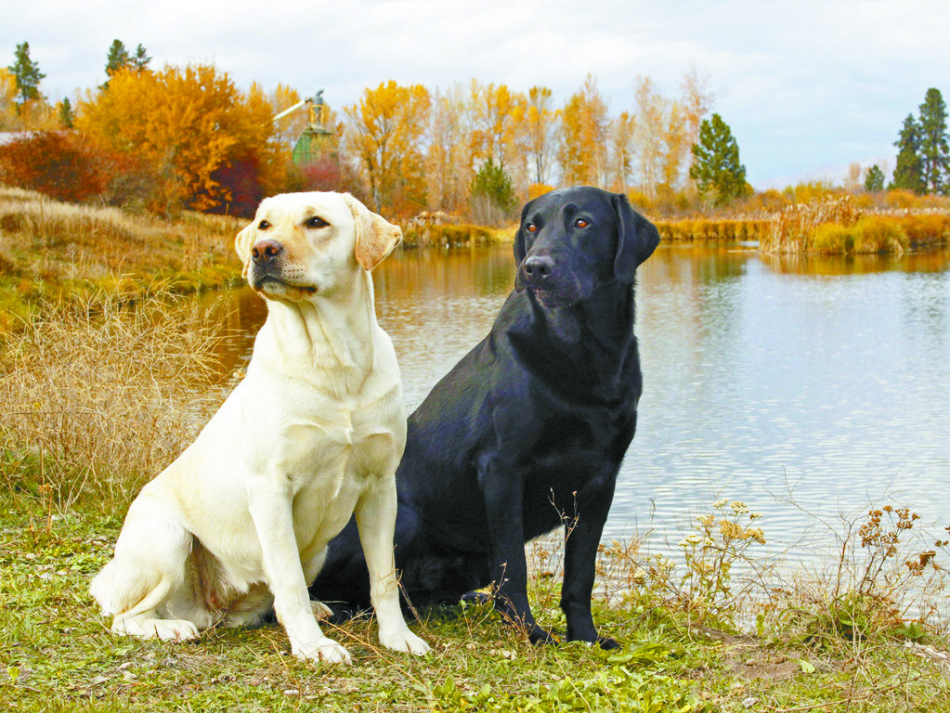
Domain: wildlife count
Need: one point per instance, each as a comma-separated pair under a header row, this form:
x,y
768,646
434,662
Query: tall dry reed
x,y
794,227
99,395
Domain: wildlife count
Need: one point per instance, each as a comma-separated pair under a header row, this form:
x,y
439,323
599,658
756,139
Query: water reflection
x,y
794,385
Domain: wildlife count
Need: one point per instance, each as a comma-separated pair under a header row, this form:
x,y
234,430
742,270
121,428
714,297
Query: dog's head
x,y
575,239
304,244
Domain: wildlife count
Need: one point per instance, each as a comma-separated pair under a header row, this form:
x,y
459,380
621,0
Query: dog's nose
x,y
538,268
264,251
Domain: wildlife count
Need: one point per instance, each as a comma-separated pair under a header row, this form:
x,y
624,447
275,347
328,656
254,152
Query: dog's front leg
x,y
271,508
376,519
503,494
583,535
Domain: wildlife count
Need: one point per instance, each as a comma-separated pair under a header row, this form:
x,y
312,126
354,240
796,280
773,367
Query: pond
x,y
805,388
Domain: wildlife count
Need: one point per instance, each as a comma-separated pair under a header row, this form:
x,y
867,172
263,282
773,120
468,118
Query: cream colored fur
x,y
240,522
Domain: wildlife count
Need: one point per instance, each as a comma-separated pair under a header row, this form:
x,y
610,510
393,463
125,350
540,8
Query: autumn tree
x,y
648,138
934,150
621,151
450,154
186,125
498,121
541,125
585,124
716,169
8,94
386,129
696,100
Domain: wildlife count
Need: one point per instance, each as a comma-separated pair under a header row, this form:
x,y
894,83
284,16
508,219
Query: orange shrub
x,y
59,164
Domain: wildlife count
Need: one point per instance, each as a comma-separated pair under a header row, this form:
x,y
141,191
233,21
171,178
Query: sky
x,y
807,87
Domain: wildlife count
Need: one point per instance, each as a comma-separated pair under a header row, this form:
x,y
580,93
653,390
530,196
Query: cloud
x,y
802,83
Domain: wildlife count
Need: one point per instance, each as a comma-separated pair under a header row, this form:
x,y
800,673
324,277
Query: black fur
x,y
527,432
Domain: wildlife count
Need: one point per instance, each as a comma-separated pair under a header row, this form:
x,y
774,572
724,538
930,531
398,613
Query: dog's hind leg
x,y
147,570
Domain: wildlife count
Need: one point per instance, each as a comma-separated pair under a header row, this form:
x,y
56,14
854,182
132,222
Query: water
x,y
806,389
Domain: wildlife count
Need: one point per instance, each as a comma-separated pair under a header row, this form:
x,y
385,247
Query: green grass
x,y
58,653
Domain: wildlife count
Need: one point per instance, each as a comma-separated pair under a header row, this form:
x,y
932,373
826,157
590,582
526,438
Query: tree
x,y
8,94
498,116
874,179
386,129
492,195
542,122
117,57
584,137
621,151
27,73
66,116
186,126
696,101
716,168
649,135
934,151
449,157
909,171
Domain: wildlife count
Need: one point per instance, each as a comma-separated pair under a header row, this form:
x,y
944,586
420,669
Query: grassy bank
x,y
713,626
840,226
49,249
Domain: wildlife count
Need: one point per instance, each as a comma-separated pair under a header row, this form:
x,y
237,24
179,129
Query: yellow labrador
x,y
240,522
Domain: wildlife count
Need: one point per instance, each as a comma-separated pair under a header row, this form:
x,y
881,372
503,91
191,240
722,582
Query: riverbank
x,y
715,625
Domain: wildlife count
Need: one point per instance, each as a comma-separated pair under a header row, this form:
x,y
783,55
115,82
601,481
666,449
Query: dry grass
x,y
841,225
49,249
695,229
100,394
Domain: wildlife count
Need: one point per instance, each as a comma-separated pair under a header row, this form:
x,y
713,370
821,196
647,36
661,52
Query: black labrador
x,y
527,432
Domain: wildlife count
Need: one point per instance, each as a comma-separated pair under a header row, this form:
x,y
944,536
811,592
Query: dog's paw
x,y
164,629
404,641
325,649
320,610
607,644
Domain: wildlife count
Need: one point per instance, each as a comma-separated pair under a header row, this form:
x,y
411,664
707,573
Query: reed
x,y
99,394
725,229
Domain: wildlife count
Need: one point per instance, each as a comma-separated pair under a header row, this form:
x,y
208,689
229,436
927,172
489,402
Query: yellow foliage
x,y
185,125
538,189
8,92
386,130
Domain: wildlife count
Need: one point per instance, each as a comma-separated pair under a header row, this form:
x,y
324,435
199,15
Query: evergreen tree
x,y
27,73
141,59
492,195
66,115
874,179
909,171
117,58
716,166
934,151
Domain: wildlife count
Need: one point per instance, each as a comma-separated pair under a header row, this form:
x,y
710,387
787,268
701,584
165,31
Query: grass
x,y
713,626
839,225
49,249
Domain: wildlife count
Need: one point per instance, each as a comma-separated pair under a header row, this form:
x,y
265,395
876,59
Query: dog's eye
x,y
530,227
263,225
316,222
581,223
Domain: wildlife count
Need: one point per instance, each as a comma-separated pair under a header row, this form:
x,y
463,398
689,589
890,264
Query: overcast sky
x,y
806,86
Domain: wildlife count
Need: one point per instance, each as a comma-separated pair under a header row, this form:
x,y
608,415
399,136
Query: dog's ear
x,y
637,238
375,236
243,243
